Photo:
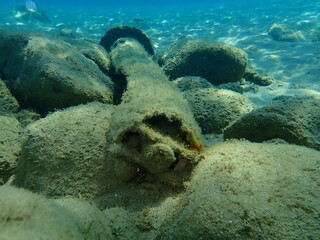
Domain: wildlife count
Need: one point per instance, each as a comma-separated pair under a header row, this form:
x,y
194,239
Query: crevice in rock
x,y
169,127
120,86
132,139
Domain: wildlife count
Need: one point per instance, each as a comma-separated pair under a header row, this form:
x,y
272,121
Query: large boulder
x,y
243,190
215,109
48,73
217,62
65,153
27,216
10,146
295,119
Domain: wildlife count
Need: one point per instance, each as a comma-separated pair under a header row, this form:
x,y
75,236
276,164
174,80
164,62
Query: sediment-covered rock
x,y
233,86
299,32
217,62
123,31
152,133
190,83
215,109
10,146
295,119
47,73
65,154
254,77
28,216
91,221
94,52
8,104
243,190
27,116
282,33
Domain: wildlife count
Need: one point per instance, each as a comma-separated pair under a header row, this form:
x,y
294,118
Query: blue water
x,y
147,3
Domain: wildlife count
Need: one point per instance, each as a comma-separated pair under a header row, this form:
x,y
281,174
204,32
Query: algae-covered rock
x,y
254,77
91,221
65,153
27,216
10,107
8,104
215,109
217,62
123,223
152,130
283,33
295,119
122,31
94,52
141,224
27,116
10,146
190,83
243,190
68,33
48,73
233,86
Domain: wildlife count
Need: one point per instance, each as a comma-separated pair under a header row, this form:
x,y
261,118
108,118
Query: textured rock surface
x,y
152,131
233,86
245,190
94,52
8,104
122,31
282,33
27,116
91,221
215,109
65,153
10,146
298,32
254,77
189,83
295,119
27,216
143,224
218,63
49,73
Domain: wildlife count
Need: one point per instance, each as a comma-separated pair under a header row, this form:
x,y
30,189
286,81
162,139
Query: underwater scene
x,y
160,120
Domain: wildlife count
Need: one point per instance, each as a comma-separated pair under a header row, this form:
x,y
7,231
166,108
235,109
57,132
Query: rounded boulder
x,y
215,109
217,62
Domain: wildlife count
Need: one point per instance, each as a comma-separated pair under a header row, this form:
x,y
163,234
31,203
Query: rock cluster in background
x,y
215,109
291,118
283,32
48,74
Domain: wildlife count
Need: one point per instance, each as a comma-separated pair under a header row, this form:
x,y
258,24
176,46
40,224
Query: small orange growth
x,y
193,141
197,146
